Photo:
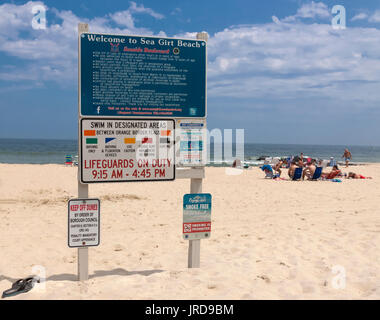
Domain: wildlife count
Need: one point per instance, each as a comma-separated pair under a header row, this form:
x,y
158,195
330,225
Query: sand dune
x,y
270,239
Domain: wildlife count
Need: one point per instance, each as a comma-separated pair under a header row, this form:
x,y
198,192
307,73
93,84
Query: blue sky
x,y
278,69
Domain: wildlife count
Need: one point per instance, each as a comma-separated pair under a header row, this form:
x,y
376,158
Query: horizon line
x,y
246,142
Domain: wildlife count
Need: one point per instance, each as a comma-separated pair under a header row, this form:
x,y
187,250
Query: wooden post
x,y
82,252
82,188
194,254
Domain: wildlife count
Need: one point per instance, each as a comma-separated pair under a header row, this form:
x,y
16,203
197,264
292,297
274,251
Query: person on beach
x,y
277,167
353,175
292,168
309,170
298,160
332,162
236,163
347,156
332,174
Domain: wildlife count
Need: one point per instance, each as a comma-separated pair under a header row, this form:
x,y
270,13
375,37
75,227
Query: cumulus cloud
x,y
375,17
14,18
52,52
311,10
176,11
360,16
123,18
141,9
295,60
287,59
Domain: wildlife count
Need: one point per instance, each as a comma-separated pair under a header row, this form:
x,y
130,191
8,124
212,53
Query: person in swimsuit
x,y
332,174
332,162
309,170
353,175
277,167
347,156
292,168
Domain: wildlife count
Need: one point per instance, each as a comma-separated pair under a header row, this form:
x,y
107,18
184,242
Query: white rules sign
x,y
125,150
84,222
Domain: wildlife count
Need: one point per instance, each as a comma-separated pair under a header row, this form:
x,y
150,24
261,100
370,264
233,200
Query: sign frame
x,y
68,224
122,119
132,116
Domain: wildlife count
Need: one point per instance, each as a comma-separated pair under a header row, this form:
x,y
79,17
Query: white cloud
x,y
176,11
141,9
295,60
310,10
360,16
375,17
286,59
13,18
51,54
123,18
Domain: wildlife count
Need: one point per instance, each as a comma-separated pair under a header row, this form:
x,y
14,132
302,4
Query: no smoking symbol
x,y
187,227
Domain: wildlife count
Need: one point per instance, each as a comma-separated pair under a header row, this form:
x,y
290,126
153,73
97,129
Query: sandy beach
x,y
270,239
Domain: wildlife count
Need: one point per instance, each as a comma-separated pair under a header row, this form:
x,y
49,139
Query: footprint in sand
x,y
307,287
293,260
264,277
118,247
292,274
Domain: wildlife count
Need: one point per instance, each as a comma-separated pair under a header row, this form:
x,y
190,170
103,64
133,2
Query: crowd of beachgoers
x,y
301,167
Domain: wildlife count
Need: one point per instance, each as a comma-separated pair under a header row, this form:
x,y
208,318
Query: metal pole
x,y
194,254
82,188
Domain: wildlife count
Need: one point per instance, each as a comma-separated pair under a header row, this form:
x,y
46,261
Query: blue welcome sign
x,y
142,76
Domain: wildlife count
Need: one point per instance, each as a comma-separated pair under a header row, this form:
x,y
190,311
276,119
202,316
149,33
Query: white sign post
x,y
194,254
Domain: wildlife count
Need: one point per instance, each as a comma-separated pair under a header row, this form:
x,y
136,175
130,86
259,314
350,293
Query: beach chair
x,y
297,174
317,173
69,160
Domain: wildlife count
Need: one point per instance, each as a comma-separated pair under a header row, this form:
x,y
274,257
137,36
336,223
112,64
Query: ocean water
x,y
38,151
41,151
